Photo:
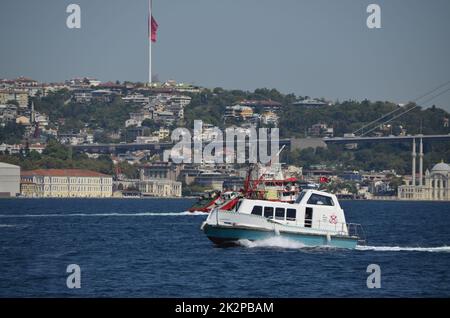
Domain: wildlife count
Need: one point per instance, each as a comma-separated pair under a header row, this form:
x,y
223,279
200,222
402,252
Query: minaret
x,y
421,162
33,114
413,169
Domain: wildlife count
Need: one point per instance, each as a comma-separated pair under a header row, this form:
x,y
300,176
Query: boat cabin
x,y
312,209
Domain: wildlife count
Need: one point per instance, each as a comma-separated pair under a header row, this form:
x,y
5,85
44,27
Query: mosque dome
x,y
441,167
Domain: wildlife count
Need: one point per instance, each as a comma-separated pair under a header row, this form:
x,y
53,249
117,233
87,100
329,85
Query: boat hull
x,y
222,235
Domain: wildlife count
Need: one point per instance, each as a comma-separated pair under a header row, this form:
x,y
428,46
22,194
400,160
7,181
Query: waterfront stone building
x,y
160,188
159,171
65,183
159,179
436,185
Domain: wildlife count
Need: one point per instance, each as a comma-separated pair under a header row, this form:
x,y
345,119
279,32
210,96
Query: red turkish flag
x,y
152,29
324,180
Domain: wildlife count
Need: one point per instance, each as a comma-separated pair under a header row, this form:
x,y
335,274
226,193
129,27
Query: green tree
x,y
130,171
56,150
151,124
11,133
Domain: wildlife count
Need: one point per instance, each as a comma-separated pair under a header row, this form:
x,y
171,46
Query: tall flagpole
x,y
150,41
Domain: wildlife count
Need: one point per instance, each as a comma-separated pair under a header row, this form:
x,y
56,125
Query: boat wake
x,y
284,243
441,249
185,213
273,242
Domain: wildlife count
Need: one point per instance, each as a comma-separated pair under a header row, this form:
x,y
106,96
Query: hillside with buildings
x,y
120,130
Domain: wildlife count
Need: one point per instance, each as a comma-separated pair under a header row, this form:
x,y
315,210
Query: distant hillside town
x,y
88,138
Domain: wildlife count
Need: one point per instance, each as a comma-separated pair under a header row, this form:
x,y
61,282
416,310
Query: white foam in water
x,y
280,242
185,213
400,249
272,242
194,213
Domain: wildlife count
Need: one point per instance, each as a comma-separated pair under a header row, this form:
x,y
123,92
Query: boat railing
x,y
345,229
355,229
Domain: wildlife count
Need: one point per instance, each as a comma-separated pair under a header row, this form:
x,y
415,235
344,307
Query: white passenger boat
x,y
314,219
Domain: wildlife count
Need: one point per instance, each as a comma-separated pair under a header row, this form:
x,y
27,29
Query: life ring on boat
x,y
333,219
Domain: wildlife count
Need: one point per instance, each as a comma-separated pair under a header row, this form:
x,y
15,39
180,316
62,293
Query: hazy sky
x,y
320,48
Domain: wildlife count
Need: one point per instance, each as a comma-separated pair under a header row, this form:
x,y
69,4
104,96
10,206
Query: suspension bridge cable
x,y
395,110
407,111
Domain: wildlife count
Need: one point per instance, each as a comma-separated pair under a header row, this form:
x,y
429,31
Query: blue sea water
x,y
151,248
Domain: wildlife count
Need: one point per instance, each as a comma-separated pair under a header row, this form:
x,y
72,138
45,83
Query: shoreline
x,y
94,198
193,198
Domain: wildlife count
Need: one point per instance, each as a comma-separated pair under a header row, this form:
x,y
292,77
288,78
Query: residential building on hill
x,y
310,103
20,96
238,112
321,130
266,105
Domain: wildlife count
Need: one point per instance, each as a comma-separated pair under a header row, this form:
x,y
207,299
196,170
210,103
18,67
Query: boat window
x,y
257,210
291,214
318,199
268,212
300,197
279,213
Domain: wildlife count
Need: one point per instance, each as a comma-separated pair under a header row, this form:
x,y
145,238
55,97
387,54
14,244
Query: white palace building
x,y
65,183
435,184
